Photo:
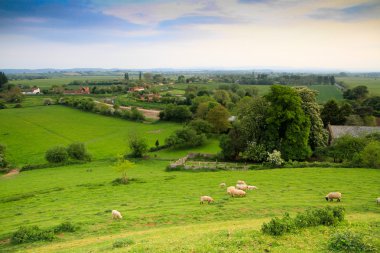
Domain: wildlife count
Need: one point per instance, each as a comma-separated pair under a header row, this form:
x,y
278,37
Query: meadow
x,y
373,83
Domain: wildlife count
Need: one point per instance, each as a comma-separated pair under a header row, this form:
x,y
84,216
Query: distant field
x,y
326,92
373,84
47,83
29,132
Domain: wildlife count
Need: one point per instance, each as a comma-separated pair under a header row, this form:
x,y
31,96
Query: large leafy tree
x,y
218,118
334,114
288,126
318,135
3,80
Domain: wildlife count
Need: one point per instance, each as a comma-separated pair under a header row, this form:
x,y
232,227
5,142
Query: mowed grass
x,y
29,132
373,83
157,200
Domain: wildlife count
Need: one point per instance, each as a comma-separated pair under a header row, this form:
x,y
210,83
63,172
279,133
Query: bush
x,y
3,161
313,217
2,105
255,152
78,151
370,155
17,106
277,226
122,243
57,155
186,137
48,101
136,115
138,147
274,159
31,234
347,241
65,227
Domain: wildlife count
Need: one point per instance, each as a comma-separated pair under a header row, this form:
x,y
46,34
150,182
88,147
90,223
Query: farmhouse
x,y
356,131
82,90
33,91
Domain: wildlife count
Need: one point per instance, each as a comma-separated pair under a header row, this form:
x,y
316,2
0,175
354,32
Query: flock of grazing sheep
x,y
239,191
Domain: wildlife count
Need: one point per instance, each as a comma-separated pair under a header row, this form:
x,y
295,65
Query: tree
x,y
357,93
3,80
3,161
201,126
186,137
288,126
345,148
218,118
232,144
334,114
318,135
222,97
177,113
138,146
13,95
77,151
157,143
123,166
140,75
126,77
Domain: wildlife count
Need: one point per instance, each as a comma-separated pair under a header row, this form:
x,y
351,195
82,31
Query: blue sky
x,y
323,34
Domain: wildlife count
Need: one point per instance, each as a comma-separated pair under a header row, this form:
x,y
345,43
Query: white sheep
x,y
240,182
230,189
242,187
333,195
207,199
238,193
222,185
116,214
378,200
252,187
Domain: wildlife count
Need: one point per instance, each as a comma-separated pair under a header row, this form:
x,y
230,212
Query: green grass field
x,y
29,132
373,84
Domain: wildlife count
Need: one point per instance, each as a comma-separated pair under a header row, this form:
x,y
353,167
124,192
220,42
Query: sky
x,y
225,34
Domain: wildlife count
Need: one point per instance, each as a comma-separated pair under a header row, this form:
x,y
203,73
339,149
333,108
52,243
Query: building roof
x,y
356,131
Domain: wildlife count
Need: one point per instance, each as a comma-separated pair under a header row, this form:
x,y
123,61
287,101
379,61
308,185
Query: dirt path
x,y
11,173
152,114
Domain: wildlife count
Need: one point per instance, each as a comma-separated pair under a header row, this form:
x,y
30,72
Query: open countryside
x,y
145,126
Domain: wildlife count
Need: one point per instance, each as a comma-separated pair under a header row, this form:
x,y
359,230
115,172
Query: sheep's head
x,y
327,198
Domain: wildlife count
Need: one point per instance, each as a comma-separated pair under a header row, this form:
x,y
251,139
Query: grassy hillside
x,y
166,200
327,92
29,132
373,84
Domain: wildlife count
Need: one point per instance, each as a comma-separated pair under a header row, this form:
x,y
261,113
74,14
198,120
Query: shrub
x,y
255,152
3,161
186,137
2,105
370,155
65,227
77,151
347,241
138,147
136,115
57,155
31,234
274,159
277,226
48,101
17,105
122,243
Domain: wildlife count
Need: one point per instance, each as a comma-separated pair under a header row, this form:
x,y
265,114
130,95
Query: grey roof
x,y
356,131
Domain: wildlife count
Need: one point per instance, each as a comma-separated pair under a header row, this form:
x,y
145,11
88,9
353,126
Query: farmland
x,y
373,84
160,208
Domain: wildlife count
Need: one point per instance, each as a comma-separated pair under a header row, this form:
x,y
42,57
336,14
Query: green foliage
x,y
66,226
13,95
48,101
136,115
370,155
359,92
201,126
233,143
138,146
3,79
288,126
345,148
3,160
179,113
218,118
334,114
121,243
255,152
327,216
123,166
56,155
2,105
77,151
222,97
31,234
347,241
186,137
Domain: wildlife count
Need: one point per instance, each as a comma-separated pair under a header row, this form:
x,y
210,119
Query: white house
x,y
33,91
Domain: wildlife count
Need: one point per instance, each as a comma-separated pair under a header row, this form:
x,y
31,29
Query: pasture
x,y
157,205
373,83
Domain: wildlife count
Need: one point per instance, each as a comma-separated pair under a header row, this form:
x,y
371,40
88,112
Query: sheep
x,y
378,200
252,187
207,199
222,185
333,195
242,187
238,193
230,189
240,182
116,214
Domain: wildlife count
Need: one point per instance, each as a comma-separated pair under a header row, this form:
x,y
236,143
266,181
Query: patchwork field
x,y
373,84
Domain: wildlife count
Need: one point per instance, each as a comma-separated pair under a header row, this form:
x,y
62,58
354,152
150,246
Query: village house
x,y
355,131
33,91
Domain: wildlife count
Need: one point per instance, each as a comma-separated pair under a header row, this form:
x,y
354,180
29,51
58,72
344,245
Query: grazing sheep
x,y
242,187
241,182
378,200
252,187
116,214
230,189
238,193
207,199
333,195
222,185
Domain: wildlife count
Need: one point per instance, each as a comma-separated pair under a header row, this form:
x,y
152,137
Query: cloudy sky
x,y
307,34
